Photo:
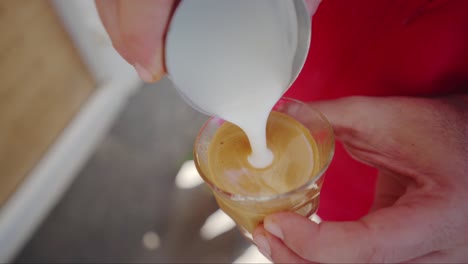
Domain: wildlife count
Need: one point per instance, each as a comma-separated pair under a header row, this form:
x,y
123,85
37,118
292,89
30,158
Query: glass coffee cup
x,y
249,211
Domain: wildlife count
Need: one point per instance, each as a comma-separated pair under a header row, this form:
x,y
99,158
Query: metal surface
x,y
304,31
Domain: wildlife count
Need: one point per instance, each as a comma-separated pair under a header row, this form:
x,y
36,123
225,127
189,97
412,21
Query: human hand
x,y
138,28
420,214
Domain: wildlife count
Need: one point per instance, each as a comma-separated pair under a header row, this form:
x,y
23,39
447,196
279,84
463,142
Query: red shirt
x,y
379,48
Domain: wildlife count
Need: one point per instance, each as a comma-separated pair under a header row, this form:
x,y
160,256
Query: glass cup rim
x,y
266,198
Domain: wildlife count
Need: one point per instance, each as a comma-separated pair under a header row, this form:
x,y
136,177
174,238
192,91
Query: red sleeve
x,y
380,48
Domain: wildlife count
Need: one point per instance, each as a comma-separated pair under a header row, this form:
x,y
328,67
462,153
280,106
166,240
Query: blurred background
x,y
96,166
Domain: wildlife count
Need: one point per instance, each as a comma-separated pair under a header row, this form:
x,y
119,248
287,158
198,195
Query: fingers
x,y
353,116
108,11
457,255
359,123
143,25
393,234
403,135
137,30
274,249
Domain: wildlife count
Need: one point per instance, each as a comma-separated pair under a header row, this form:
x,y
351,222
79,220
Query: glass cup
x,y
249,211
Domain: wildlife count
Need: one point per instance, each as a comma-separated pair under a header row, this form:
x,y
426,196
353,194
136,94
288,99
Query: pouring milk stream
x,y
234,60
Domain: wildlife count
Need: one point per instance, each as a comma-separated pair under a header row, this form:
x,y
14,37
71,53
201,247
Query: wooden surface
x,y
43,83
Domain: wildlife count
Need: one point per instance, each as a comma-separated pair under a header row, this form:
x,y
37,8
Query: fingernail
x,y
144,74
263,246
273,228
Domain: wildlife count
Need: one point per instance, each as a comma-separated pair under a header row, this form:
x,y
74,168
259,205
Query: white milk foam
x,y
233,59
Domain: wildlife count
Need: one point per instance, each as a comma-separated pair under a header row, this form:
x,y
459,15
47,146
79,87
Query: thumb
x,y
394,234
387,132
357,116
137,30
